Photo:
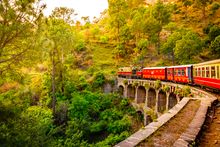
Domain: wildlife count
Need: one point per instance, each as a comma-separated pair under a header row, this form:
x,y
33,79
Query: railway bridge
x,y
151,96
161,97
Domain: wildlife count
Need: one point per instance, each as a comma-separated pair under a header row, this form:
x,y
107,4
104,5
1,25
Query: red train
x,y
204,74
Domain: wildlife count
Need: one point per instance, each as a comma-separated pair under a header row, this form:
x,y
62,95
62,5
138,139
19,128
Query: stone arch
x,y
161,101
131,91
172,100
121,90
141,94
151,98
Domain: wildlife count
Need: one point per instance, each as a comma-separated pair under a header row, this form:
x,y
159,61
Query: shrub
x,y
104,39
158,84
99,80
125,82
80,46
119,125
166,88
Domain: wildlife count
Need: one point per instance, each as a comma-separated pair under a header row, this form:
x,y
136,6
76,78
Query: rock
x,y
216,142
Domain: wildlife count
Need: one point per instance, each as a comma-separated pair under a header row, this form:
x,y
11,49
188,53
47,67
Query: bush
x,y
104,39
119,125
142,44
157,84
99,80
80,46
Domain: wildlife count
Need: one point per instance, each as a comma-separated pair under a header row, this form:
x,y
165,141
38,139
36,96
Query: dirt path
x,y
211,133
171,131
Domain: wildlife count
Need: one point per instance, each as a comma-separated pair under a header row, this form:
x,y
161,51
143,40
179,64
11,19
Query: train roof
x,y
154,67
179,66
208,62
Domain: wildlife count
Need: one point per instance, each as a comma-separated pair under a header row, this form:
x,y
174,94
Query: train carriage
x,y
156,73
180,74
124,72
207,74
130,72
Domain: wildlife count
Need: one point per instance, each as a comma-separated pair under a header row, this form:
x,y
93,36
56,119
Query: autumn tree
x,y
202,4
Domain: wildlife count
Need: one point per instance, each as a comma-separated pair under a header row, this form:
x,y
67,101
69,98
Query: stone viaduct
x,y
147,95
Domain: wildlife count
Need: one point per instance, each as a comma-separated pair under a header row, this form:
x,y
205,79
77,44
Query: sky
x,y
89,8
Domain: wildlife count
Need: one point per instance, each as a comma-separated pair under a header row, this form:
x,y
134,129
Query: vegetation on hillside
x,y
53,70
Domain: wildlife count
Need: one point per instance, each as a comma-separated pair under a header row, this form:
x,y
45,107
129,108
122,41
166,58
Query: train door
x,y
189,73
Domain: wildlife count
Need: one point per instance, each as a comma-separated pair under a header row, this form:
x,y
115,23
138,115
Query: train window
x,y
168,72
199,72
218,72
183,72
203,72
174,72
213,72
207,72
195,72
179,72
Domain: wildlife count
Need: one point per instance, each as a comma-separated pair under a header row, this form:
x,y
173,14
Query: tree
x,y
18,18
202,4
64,13
215,46
186,48
161,13
169,46
57,42
117,12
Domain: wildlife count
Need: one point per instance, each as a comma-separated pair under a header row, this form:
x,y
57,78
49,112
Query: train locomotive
x,y
206,74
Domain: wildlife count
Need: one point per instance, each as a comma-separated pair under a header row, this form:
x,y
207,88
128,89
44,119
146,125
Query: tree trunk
x,y
53,83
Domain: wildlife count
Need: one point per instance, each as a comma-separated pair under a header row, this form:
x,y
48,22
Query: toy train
x,y
205,74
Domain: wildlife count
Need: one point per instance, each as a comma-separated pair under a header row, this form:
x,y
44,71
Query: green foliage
x,y
158,84
147,85
119,125
215,6
124,103
166,88
120,50
189,46
215,46
104,39
135,84
184,92
125,82
152,114
80,46
142,44
99,80
214,32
